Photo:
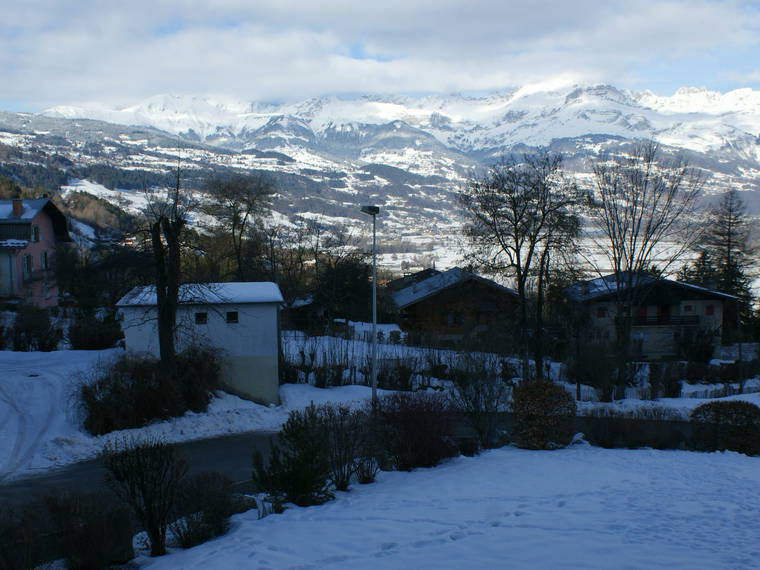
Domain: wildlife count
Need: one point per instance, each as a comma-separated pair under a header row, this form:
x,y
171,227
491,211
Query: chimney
x,y
18,207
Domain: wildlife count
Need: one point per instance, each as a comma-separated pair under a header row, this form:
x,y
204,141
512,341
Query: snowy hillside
x,y
409,155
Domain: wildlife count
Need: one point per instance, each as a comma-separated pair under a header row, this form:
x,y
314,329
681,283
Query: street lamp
x,y
373,211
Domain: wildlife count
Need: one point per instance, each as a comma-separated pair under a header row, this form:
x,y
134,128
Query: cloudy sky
x,y
78,51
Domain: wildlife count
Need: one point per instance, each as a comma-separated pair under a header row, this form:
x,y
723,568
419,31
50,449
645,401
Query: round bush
x,y
543,415
733,426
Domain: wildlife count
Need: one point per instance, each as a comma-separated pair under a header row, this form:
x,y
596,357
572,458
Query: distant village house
x,y
454,307
30,230
240,319
667,313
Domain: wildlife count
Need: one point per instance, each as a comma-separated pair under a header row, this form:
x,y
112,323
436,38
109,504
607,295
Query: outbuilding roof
x,y
432,285
208,294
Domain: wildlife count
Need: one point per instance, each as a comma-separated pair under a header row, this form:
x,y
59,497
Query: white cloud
x,y
56,53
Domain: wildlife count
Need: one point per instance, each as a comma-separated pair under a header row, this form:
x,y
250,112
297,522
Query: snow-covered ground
x,y
40,422
580,507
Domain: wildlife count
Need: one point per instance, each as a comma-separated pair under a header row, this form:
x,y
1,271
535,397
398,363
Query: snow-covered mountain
x,y
409,155
694,119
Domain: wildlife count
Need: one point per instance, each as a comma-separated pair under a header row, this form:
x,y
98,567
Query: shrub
x,y
413,429
366,469
33,330
593,364
199,375
298,468
725,425
698,348
203,506
480,401
91,531
90,333
20,535
145,475
130,391
640,427
394,374
543,415
345,430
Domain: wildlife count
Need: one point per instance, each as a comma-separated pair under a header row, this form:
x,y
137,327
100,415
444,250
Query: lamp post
x,y
373,211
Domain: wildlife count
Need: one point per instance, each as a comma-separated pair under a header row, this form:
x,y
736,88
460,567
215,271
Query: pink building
x,y
29,233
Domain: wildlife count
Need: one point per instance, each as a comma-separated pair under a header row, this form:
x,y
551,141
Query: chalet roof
x,y
208,294
605,288
30,209
420,290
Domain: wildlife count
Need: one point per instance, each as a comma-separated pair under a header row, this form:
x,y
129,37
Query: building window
x,y
709,309
27,266
687,308
601,312
44,263
35,233
201,318
232,316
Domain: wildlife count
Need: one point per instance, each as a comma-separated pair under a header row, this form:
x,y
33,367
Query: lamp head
x,y
371,210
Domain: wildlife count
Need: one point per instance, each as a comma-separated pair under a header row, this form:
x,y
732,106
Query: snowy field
x,y
580,507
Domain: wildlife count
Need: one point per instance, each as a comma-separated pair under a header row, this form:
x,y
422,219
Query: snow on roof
x,y
432,285
609,284
208,294
30,209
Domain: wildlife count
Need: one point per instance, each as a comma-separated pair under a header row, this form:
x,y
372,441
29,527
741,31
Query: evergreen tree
x,y
725,257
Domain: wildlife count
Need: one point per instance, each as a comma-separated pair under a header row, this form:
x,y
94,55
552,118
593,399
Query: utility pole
x,y
373,211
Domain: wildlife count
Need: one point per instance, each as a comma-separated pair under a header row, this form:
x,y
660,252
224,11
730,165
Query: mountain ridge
x,y
463,123
409,155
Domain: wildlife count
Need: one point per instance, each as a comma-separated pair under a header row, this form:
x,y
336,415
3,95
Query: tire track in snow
x,y
25,446
21,421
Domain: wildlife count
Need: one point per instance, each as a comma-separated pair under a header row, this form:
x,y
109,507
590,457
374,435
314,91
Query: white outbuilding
x,y
239,319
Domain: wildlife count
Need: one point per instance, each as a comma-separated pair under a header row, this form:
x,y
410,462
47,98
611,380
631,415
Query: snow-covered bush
x,y
543,415
203,507
146,476
727,425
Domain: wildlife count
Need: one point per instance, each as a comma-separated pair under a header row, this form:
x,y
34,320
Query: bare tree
x,y
643,214
167,213
521,221
236,203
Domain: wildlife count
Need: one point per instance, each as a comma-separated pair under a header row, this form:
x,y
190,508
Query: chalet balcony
x,y
665,321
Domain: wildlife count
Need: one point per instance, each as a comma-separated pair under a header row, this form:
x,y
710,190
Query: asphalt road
x,y
230,455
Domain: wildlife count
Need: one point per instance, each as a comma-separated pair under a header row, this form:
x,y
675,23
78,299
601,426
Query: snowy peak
x,y
692,118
